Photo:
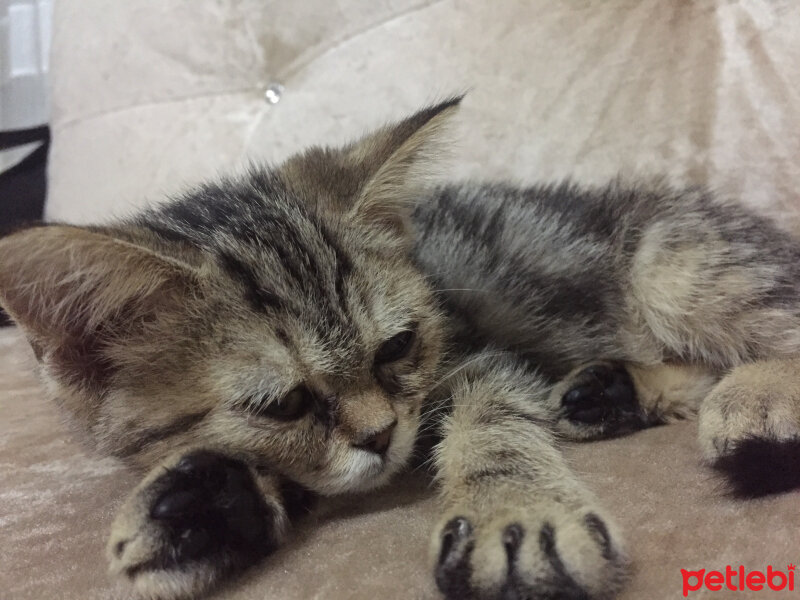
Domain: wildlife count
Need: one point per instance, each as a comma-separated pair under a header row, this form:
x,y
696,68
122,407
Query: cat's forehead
x,y
300,269
259,233
241,210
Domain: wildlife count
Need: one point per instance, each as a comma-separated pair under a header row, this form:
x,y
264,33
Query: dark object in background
x,y
23,186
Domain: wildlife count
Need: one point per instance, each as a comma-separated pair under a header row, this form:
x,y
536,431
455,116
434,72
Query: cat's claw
x,y
191,522
551,553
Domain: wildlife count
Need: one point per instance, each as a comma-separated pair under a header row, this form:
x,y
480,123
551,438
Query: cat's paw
x,y
192,521
598,400
749,428
526,553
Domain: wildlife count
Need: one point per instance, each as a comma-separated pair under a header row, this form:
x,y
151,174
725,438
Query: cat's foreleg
x,y
517,522
194,519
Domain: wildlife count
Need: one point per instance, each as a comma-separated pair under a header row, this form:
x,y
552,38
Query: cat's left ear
x,y
375,180
80,295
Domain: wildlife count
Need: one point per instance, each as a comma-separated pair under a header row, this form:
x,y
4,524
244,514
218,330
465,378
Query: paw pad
x,y
603,397
206,510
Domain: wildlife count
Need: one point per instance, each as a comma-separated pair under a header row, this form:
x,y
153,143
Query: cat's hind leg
x,y
713,284
750,427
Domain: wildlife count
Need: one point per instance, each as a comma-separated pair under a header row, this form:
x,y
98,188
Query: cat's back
x,y
497,214
516,265
543,233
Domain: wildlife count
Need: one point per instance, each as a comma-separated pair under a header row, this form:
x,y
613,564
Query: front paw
x,y
598,401
540,552
192,521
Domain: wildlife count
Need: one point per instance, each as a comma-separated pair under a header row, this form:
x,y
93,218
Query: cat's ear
x,y
376,179
396,159
76,292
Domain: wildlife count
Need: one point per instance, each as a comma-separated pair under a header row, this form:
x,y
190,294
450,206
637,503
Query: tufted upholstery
x,y
150,95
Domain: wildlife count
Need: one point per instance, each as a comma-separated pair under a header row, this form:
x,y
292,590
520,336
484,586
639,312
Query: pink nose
x,y
378,442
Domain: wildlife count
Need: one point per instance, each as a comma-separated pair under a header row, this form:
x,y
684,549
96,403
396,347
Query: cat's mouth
x,y
375,469
366,470
351,469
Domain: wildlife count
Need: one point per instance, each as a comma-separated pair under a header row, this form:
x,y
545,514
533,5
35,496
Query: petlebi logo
x,y
738,579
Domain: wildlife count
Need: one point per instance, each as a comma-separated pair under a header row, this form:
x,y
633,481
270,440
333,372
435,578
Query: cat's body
x,y
302,325
564,275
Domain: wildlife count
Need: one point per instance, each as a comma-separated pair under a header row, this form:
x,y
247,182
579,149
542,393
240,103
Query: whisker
x,y
462,290
464,365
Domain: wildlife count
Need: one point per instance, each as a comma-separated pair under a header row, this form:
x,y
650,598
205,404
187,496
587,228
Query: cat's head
x,y
275,316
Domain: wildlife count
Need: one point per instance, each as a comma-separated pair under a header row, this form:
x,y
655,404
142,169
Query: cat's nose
x,y
379,441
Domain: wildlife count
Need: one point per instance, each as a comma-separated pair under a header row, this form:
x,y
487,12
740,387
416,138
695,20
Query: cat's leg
x,y
517,522
604,398
713,284
193,519
750,427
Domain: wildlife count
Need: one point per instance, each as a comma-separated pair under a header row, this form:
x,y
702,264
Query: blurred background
x,y
25,32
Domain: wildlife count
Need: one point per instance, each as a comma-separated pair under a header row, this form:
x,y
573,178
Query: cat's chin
x,y
383,473
362,473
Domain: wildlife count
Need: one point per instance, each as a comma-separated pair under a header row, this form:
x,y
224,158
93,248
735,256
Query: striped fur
x,y
297,328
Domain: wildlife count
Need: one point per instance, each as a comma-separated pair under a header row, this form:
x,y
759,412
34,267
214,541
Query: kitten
x,y
296,328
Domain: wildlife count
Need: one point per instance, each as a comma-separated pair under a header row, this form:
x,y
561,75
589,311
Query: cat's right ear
x,y
75,292
396,160
375,180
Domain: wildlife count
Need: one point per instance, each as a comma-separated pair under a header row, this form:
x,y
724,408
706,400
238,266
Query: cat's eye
x,y
292,406
395,348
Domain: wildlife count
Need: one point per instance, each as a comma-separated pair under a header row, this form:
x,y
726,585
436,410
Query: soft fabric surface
x,y
57,503
151,95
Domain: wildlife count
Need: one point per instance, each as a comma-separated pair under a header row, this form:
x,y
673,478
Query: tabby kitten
x,y
295,328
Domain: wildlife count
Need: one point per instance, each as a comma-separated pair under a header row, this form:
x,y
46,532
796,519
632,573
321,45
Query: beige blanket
x,y
57,503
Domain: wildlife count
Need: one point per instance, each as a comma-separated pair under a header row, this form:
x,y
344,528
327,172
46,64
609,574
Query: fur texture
x,y
297,328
